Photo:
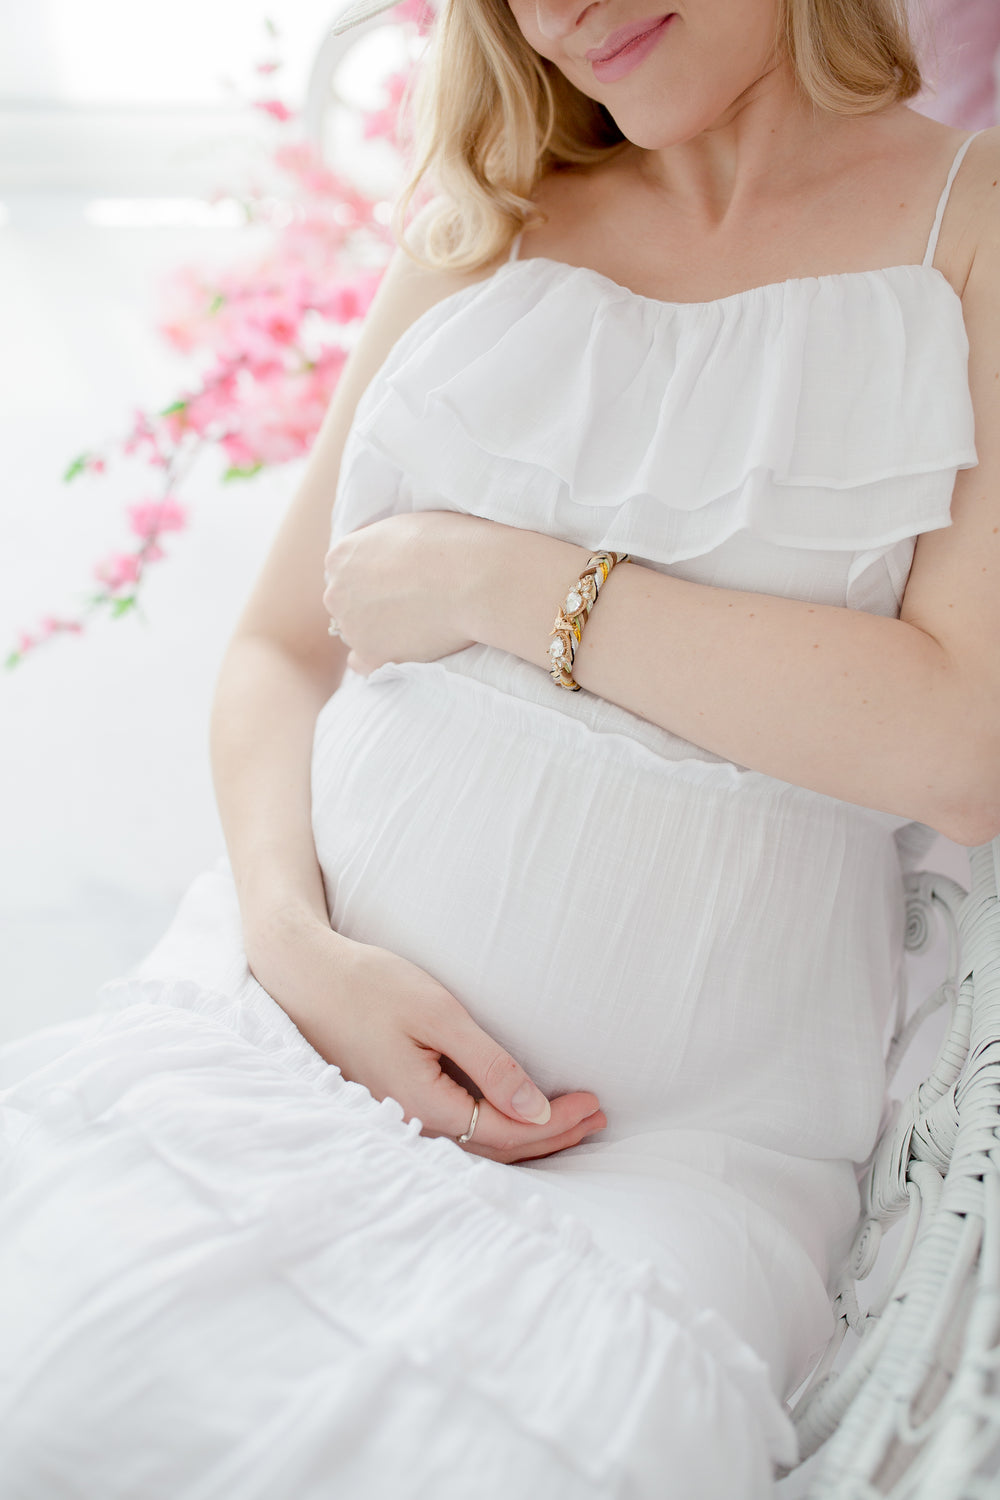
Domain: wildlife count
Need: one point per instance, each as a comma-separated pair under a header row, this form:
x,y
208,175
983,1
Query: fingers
x,y
548,1146
496,1133
504,1083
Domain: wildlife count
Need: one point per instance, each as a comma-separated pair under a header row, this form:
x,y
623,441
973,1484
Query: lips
x,y
623,36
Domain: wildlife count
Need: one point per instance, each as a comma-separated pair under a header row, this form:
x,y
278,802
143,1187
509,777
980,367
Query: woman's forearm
x,y
851,704
263,721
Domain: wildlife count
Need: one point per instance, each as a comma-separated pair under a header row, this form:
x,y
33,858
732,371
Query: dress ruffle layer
x,y
420,1307
453,422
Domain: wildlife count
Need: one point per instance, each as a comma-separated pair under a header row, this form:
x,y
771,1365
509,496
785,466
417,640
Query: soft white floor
x,y
106,811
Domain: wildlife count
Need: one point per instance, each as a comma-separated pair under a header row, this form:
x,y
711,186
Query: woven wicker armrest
x,y
914,1411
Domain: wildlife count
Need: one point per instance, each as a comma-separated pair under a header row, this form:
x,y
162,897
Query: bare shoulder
x,y
408,283
970,234
976,206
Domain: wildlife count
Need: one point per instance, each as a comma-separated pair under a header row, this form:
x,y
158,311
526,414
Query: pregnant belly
x,y
702,947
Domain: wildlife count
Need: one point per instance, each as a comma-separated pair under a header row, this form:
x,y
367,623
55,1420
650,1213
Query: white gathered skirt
x,y
226,1271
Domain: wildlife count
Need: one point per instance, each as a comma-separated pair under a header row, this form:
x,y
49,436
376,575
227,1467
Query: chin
x,y
655,129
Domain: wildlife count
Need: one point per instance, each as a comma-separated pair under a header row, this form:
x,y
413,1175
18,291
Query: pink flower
x,y
415,10
149,517
301,159
273,107
52,626
145,436
140,434
238,451
279,415
386,121
348,300
117,569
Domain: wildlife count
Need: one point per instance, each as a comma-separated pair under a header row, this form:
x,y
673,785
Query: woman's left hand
x,y
395,587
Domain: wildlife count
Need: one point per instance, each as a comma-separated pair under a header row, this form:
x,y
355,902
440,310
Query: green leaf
x,y
122,606
217,301
175,406
234,472
272,30
13,660
76,467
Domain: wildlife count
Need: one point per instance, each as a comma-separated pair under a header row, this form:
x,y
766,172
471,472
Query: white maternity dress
x,y
226,1273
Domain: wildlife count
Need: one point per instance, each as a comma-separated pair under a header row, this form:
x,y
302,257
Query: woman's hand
x,y
387,1024
394,587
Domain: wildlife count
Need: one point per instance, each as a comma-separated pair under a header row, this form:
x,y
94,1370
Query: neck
x,y
766,144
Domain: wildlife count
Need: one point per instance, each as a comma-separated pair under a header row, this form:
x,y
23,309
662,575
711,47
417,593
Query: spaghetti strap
x,y
515,248
943,200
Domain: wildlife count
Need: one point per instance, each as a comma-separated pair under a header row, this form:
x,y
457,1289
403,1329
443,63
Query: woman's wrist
x,y
509,585
283,938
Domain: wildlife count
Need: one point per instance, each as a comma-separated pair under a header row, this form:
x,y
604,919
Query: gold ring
x,y
461,1139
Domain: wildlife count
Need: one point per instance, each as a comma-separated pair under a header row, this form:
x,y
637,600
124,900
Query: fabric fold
x,y
476,409
182,1115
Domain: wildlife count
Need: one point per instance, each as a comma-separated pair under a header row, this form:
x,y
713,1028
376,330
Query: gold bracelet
x,y
573,614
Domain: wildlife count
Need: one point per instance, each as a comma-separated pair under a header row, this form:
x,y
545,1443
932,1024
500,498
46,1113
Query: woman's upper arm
x,y
953,591
285,605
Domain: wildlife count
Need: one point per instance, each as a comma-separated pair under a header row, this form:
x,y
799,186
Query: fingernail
x,y
529,1098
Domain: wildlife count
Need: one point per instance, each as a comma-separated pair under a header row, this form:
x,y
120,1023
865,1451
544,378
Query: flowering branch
x,y
271,336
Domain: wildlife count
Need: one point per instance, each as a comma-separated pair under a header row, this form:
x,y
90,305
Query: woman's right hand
x,y
387,1024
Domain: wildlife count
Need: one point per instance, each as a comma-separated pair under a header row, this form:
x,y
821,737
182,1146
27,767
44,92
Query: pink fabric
x,y
960,62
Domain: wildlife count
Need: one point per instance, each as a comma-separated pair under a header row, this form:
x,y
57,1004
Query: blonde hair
x,y
492,117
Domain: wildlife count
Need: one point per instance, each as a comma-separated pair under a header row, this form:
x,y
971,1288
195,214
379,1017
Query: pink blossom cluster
x,y
268,334
49,626
388,120
276,347
148,520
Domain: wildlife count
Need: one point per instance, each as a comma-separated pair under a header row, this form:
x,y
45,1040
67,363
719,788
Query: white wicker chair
x,y
914,1413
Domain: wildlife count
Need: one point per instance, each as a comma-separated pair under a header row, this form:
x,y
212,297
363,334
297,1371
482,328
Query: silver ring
x,y
333,629
461,1139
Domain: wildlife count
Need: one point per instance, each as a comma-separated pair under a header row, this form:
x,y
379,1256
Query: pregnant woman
x,y
489,1124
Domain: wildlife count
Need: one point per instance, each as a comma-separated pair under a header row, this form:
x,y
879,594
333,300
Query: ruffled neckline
x,y
741,296
733,299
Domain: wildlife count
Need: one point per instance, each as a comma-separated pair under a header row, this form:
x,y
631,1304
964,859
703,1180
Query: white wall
x,y
106,809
